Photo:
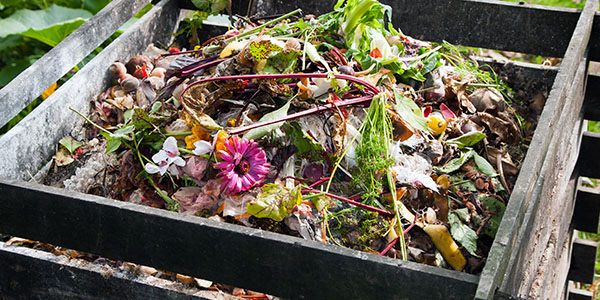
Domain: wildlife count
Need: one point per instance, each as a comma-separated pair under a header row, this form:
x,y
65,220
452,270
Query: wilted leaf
x,y
455,163
410,112
63,157
207,122
463,234
70,144
274,202
496,208
468,139
257,133
484,166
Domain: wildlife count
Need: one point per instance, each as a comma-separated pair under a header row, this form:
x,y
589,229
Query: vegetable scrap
x,y
337,128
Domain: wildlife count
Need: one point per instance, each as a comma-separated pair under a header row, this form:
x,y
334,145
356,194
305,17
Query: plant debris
x,y
337,128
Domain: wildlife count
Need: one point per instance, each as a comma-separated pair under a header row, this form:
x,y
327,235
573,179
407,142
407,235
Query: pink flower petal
x,y
226,156
223,165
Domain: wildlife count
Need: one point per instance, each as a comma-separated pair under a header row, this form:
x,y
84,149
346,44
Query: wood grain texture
x,y
30,84
231,254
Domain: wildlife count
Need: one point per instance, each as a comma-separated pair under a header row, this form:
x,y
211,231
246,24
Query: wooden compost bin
x,y
531,250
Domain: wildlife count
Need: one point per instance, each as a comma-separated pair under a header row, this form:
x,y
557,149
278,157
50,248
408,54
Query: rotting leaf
x,y
467,140
455,163
63,157
70,144
274,202
495,209
463,234
259,132
410,112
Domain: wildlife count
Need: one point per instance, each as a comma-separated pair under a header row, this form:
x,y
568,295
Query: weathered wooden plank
x,y
579,294
57,62
534,29
588,164
32,274
226,253
583,261
587,210
22,156
591,105
508,240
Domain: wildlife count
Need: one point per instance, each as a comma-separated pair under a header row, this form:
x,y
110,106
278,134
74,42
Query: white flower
x,y
203,147
166,159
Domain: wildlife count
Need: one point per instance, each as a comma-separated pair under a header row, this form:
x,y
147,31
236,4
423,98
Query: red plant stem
x,y
352,202
222,36
389,246
303,113
182,52
318,182
354,79
396,239
202,66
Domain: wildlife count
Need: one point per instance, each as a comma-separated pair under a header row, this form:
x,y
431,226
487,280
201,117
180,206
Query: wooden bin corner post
x,y
534,235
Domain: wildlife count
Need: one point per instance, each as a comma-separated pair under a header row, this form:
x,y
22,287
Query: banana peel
x,y
446,245
439,234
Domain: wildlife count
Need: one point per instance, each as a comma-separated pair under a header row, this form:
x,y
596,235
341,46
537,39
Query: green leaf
x,y
455,163
467,140
123,132
484,166
410,112
496,209
463,234
155,107
49,25
10,71
274,202
259,132
218,5
94,6
112,145
463,214
201,4
70,144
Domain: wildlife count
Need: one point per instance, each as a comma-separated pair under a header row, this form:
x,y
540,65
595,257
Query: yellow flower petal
x,y
49,91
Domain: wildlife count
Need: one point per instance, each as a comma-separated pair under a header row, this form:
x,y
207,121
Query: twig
x,y
501,173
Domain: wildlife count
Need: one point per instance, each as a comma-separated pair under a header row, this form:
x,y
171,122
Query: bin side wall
x,y
29,145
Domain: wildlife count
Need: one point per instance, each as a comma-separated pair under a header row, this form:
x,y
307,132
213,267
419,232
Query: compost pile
x,y
337,128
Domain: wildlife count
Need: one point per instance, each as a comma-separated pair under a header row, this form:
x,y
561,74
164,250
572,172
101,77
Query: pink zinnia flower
x,y
244,165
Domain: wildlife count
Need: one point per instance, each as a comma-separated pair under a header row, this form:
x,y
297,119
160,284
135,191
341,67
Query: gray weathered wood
x,y
588,164
246,257
579,294
32,274
57,62
583,261
510,240
587,210
29,145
